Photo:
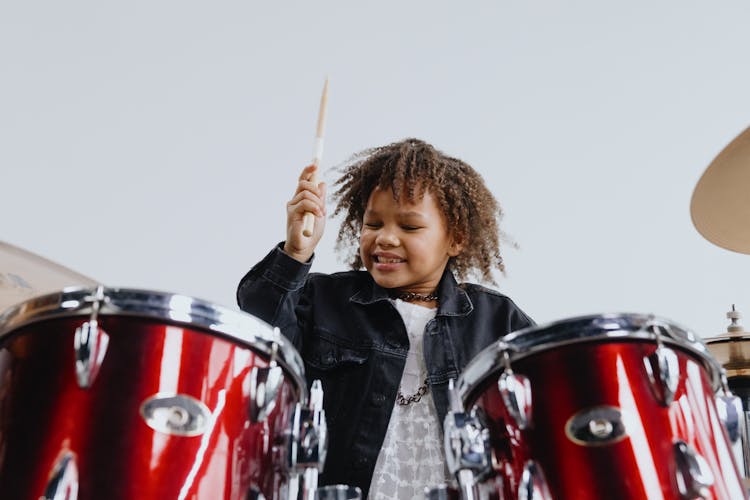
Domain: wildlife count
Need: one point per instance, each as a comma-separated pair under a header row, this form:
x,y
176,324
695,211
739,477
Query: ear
x,y
456,245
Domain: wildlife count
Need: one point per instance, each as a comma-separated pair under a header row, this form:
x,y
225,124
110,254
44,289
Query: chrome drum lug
x,y
90,345
731,415
265,384
734,420
694,477
663,369
533,485
63,481
264,389
515,390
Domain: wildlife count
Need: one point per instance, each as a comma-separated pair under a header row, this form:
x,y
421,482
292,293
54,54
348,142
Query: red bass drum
x,y
123,394
618,406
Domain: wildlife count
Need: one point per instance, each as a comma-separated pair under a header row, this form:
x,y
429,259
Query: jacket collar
x,y
454,301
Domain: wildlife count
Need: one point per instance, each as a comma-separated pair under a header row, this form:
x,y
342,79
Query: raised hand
x,y
308,197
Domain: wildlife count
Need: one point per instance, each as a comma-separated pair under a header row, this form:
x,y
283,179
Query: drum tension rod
x,y
662,366
515,390
90,342
467,445
265,383
308,445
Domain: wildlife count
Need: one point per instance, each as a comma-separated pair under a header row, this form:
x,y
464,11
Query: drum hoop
x,y
238,326
583,329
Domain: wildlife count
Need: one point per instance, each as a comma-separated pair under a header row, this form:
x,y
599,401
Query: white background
x,y
154,144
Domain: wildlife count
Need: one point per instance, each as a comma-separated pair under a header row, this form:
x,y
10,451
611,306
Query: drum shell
x,y
45,413
569,379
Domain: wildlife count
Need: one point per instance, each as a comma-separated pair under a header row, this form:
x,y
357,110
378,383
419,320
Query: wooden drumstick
x,y
309,218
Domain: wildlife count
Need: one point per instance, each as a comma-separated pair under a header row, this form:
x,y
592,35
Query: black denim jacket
x,y
352,338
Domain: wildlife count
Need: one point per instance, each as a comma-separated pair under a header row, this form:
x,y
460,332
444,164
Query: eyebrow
x,y
411,214
374,213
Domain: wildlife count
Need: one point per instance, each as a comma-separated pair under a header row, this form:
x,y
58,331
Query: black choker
x,y
416,297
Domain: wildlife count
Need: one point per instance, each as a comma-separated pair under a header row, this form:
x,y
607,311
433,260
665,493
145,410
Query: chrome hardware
x,y
533,485
63,481
730,411
596,426
90,343
176,414
264,386
442,492
662,367
733,418
515,390
308,444
601,428
338,492
467,446
694,476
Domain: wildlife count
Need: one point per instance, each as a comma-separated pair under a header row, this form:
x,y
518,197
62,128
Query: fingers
x,y
307,200
308,173
318,190
310,195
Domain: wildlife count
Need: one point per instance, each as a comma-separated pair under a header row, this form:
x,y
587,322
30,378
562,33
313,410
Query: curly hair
x,y
410,167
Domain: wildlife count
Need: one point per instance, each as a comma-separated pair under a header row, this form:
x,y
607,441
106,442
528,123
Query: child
x,y
385,341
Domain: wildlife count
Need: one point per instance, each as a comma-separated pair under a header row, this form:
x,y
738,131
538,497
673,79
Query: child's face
x,y
405,245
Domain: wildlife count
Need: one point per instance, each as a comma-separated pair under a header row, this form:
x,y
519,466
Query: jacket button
x,y
378,398
360,462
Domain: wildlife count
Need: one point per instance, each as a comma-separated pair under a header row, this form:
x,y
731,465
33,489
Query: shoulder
x,y
343,279
480,291
486,299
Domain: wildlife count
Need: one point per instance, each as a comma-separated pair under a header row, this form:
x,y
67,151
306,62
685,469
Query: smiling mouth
x,y
387,260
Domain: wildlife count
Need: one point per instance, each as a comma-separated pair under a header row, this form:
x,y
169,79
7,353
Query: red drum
x,y
125,394
610,406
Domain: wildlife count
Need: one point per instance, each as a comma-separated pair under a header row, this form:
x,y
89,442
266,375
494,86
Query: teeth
x,y
384,260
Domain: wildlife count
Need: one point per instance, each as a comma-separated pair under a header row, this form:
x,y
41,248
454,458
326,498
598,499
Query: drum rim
x,y
178,309
488,361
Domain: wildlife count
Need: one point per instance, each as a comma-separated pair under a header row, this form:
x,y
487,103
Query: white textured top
x,y
412,455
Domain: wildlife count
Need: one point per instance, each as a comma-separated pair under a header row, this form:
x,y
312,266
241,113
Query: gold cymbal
x,y
732,348
24,274
732,351
720,206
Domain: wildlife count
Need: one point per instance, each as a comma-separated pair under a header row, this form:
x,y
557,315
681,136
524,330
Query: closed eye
x,y
410,228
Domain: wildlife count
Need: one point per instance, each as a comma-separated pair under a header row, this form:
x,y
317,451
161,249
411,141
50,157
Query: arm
x,y
274,288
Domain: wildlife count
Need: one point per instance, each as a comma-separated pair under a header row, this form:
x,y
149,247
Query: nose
x,y
386,238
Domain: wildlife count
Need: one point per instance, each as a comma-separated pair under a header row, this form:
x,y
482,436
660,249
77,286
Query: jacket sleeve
x,y
274,291
518,320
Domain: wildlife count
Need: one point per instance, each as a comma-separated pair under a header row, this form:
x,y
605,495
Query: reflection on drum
x,y
615,406
116,393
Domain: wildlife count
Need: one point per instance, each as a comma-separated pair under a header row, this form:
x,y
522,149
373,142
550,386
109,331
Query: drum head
x,y
236,326
619,327
24,274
